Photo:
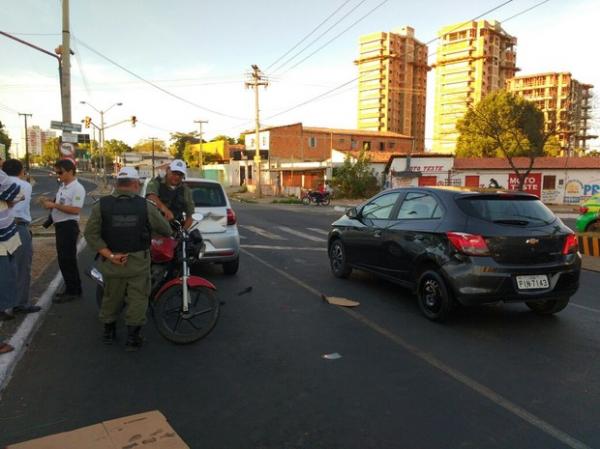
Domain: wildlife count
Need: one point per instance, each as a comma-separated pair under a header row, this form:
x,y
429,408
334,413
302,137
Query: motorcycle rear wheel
x,y
186,328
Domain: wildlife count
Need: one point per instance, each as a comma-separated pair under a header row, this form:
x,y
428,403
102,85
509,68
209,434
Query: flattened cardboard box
x,y
143,431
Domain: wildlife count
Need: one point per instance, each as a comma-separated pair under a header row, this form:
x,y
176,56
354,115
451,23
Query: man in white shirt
x,y
65,215
22,215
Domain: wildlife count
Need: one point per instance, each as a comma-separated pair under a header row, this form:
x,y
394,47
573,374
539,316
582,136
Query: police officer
x,y
119,229
171,195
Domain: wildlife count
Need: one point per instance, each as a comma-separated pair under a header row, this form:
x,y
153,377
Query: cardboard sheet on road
x,y
148,430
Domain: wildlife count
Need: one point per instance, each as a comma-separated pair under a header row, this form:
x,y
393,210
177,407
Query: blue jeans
x,y
23,257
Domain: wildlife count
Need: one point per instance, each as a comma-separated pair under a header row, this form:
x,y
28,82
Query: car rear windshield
x,y
507,209
208,195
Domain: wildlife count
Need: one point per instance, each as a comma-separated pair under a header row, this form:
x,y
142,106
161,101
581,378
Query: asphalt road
x,y
493,377
47,186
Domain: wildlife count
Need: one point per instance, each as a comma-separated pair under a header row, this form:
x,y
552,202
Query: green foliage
x,y
6,140
50,151
503,125
552,147
145,146
291,200
355,180
179,141
229,140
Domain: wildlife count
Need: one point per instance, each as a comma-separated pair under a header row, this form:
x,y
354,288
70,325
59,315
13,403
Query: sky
x,y
202,52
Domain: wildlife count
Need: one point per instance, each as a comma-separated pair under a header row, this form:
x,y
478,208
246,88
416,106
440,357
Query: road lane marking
x,y
301,234
319,231
262,232
431,360
285,248
584,307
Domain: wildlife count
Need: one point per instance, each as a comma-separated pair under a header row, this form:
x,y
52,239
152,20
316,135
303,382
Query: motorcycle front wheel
x,y
183,328
306,200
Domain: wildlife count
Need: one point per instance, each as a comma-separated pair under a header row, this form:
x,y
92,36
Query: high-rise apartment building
x,y
36,137
392,83
565,102
473,59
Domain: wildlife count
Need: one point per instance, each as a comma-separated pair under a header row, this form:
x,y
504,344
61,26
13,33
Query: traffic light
x,y
87,121
133,120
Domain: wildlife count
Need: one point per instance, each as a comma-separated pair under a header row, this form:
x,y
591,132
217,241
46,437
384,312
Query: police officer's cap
x,y
128,173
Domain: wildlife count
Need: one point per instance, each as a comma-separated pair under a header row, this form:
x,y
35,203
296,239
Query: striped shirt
x,y
9,238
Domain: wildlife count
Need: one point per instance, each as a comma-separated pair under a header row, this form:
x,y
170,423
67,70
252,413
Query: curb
x,y
21,339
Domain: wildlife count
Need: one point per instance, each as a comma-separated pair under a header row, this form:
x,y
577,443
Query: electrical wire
x,y
8,108
171,94
309,34
524,11
336,36
81,71
319,36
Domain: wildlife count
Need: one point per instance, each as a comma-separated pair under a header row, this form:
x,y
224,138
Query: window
x,y
381,146
419,206
207,194
312,142
549,182
366,146
391,144
380,207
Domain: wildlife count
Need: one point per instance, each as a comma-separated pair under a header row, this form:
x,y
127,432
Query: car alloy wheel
x,y
337,257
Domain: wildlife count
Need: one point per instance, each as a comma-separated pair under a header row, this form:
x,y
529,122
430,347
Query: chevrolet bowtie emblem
x,y
532,241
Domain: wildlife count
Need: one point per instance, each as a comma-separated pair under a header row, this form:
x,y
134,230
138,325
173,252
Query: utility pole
x,y
65,66
26,143
153,139
201,158
257,79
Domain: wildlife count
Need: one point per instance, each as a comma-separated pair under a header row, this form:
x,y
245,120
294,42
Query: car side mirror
x,y
353,212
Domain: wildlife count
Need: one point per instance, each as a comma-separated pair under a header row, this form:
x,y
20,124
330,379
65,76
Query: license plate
x,y
532,282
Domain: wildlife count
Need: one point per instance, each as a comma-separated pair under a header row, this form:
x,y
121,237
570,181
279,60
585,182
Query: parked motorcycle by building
x,y
316,197
185,308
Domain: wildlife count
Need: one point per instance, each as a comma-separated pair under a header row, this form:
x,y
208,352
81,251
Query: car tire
x,y
231,268
548,306
337,260
435,299
594,226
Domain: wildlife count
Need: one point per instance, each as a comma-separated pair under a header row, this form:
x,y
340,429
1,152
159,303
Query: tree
x,y
355,179
5,140
50,151
503,125
179,141
145,146
116,147
229,140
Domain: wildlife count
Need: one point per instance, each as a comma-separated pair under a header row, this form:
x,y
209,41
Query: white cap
x,y
178,165
128,173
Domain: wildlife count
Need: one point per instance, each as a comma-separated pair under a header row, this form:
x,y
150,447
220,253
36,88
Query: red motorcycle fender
x,y
193,281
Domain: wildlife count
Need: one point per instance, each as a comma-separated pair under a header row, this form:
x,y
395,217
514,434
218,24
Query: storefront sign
x,y
573,191
532,183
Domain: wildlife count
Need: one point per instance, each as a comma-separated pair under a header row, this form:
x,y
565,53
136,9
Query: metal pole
x,y
101,133
257,80
66,64
201,156
26,142
153,139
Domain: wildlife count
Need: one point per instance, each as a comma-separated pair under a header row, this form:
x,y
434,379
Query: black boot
x,y
134,339
110,333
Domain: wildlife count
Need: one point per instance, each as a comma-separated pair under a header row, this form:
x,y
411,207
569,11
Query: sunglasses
x,y
178,173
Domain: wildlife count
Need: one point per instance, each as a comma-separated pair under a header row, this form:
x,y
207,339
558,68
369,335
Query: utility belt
x,y
20,221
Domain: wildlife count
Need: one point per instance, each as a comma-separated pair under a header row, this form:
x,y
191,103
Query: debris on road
x,y
332,356
337,301
246,290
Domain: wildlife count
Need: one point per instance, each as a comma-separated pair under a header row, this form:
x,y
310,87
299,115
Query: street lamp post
x,y
101,134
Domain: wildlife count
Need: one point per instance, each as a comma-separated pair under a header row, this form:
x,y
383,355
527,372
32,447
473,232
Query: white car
x,y
219,224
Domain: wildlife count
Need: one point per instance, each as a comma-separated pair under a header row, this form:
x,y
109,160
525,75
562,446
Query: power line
x,y
336,36
312,99
474,18
308,35
171,94
8,108
319,36
524,11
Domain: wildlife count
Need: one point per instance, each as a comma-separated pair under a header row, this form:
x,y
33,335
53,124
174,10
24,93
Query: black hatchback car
x,y
460,246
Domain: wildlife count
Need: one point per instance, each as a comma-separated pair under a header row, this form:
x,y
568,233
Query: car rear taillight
x,y
469,244
583,210
571,244
231,218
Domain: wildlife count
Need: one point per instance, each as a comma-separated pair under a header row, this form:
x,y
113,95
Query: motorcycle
x,y
316,197
185,308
